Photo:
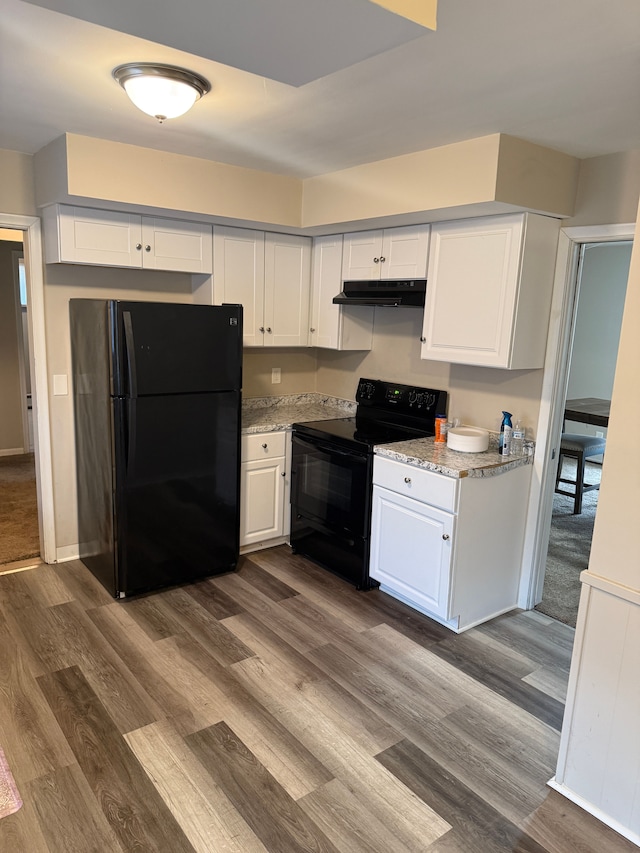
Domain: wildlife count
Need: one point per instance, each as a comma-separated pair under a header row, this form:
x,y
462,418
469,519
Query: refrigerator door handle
x,y
130,351
130,447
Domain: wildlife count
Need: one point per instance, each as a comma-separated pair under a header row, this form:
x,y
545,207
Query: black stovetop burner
x,y
386,412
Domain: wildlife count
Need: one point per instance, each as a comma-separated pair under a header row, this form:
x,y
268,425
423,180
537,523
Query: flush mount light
x,y
161,91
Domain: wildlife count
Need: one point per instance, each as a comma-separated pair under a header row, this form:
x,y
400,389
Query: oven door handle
x,y
328,448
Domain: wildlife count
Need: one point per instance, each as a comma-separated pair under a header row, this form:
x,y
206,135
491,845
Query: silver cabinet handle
x,y
261,329
376,260
382,259
147,248
265,445
445,536
284,474
423,340
138,246
407,479
269,329
312,330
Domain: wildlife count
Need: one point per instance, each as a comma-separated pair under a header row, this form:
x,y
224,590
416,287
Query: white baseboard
x,y
66,553
13,451
602,816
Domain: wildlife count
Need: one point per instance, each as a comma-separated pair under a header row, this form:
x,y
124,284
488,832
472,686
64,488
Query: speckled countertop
x,y
425,453
270,414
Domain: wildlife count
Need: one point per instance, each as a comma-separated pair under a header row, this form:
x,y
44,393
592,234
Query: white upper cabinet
x,y
392,253
238,276
489,291
269,275
287,282
339,327
79,235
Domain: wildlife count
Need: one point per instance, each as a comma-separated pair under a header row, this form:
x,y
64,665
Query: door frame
x,y
16,257
554,385
32,247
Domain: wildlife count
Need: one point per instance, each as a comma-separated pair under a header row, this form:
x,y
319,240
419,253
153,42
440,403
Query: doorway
x,y
19,533
603,272
30,229
554,394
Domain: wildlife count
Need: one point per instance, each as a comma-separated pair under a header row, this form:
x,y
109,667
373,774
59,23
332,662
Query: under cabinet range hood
x,y
391,293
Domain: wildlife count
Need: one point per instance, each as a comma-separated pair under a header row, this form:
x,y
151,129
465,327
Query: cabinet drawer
x,y
263,445
418,483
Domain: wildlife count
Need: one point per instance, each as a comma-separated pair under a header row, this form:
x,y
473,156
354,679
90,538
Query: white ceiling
x,y
563,74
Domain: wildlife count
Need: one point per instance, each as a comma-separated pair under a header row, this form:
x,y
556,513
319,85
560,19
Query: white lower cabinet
x,y
264,489
451,548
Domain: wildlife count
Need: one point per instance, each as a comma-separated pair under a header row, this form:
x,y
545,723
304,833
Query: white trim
x,y
67,552
602,816
16,257
625,593
12,451
554,383
39,381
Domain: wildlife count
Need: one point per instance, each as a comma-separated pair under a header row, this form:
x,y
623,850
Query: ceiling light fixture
x,y
161,91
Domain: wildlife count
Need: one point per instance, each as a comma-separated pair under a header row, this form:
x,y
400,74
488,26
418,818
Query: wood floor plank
x,y
560,826
276,590
549,680
29,734
214,600
193,619
477,824
199,805
69,816
20,832
278,619
413,823
286,759
273,816
155,620
346,822
548,645
135,812
45,586
63,636
82,585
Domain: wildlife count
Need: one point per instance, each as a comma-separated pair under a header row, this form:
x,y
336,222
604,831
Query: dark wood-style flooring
x,y
277,709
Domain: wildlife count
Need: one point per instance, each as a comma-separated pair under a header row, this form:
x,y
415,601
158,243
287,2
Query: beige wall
x,y
608,190
17,188
297,371
11,435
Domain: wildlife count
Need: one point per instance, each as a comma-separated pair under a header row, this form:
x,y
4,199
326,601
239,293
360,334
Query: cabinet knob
x,y
261,329
147,248
138,246
382,259
407,479
445,536
265,445
284,474
269,329
376,260
312,330
423,340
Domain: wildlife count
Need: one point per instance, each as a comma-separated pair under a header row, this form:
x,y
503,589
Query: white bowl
x,y
468,439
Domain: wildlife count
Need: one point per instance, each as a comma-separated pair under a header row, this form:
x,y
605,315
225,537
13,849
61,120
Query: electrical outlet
x,y
276,375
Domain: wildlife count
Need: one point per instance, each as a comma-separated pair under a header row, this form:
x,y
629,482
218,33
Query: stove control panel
x,y
407,399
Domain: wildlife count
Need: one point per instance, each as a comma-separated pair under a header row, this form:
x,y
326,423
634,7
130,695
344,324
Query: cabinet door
x,y
262,500
78,235
473,277
335,326
172,244
405,252
287,281
238,277
361,258
411,550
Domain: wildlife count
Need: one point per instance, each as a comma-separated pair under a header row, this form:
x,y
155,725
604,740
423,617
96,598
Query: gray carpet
x,y
569,547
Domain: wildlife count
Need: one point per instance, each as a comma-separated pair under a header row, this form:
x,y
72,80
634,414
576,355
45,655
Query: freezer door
x,y
177,488
165,348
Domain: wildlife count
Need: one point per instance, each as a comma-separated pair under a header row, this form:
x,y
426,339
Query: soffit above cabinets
x,y
291,41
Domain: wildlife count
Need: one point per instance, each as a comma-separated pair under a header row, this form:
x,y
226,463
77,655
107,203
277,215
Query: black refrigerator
x,y
157,400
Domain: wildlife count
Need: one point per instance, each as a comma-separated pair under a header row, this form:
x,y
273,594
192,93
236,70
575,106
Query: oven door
x,y
330,485
331,508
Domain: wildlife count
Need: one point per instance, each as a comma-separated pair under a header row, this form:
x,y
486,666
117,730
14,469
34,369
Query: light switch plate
x,y
276,375
60,385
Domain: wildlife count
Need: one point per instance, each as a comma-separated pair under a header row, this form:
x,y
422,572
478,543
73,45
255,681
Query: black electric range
x,y
332,472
